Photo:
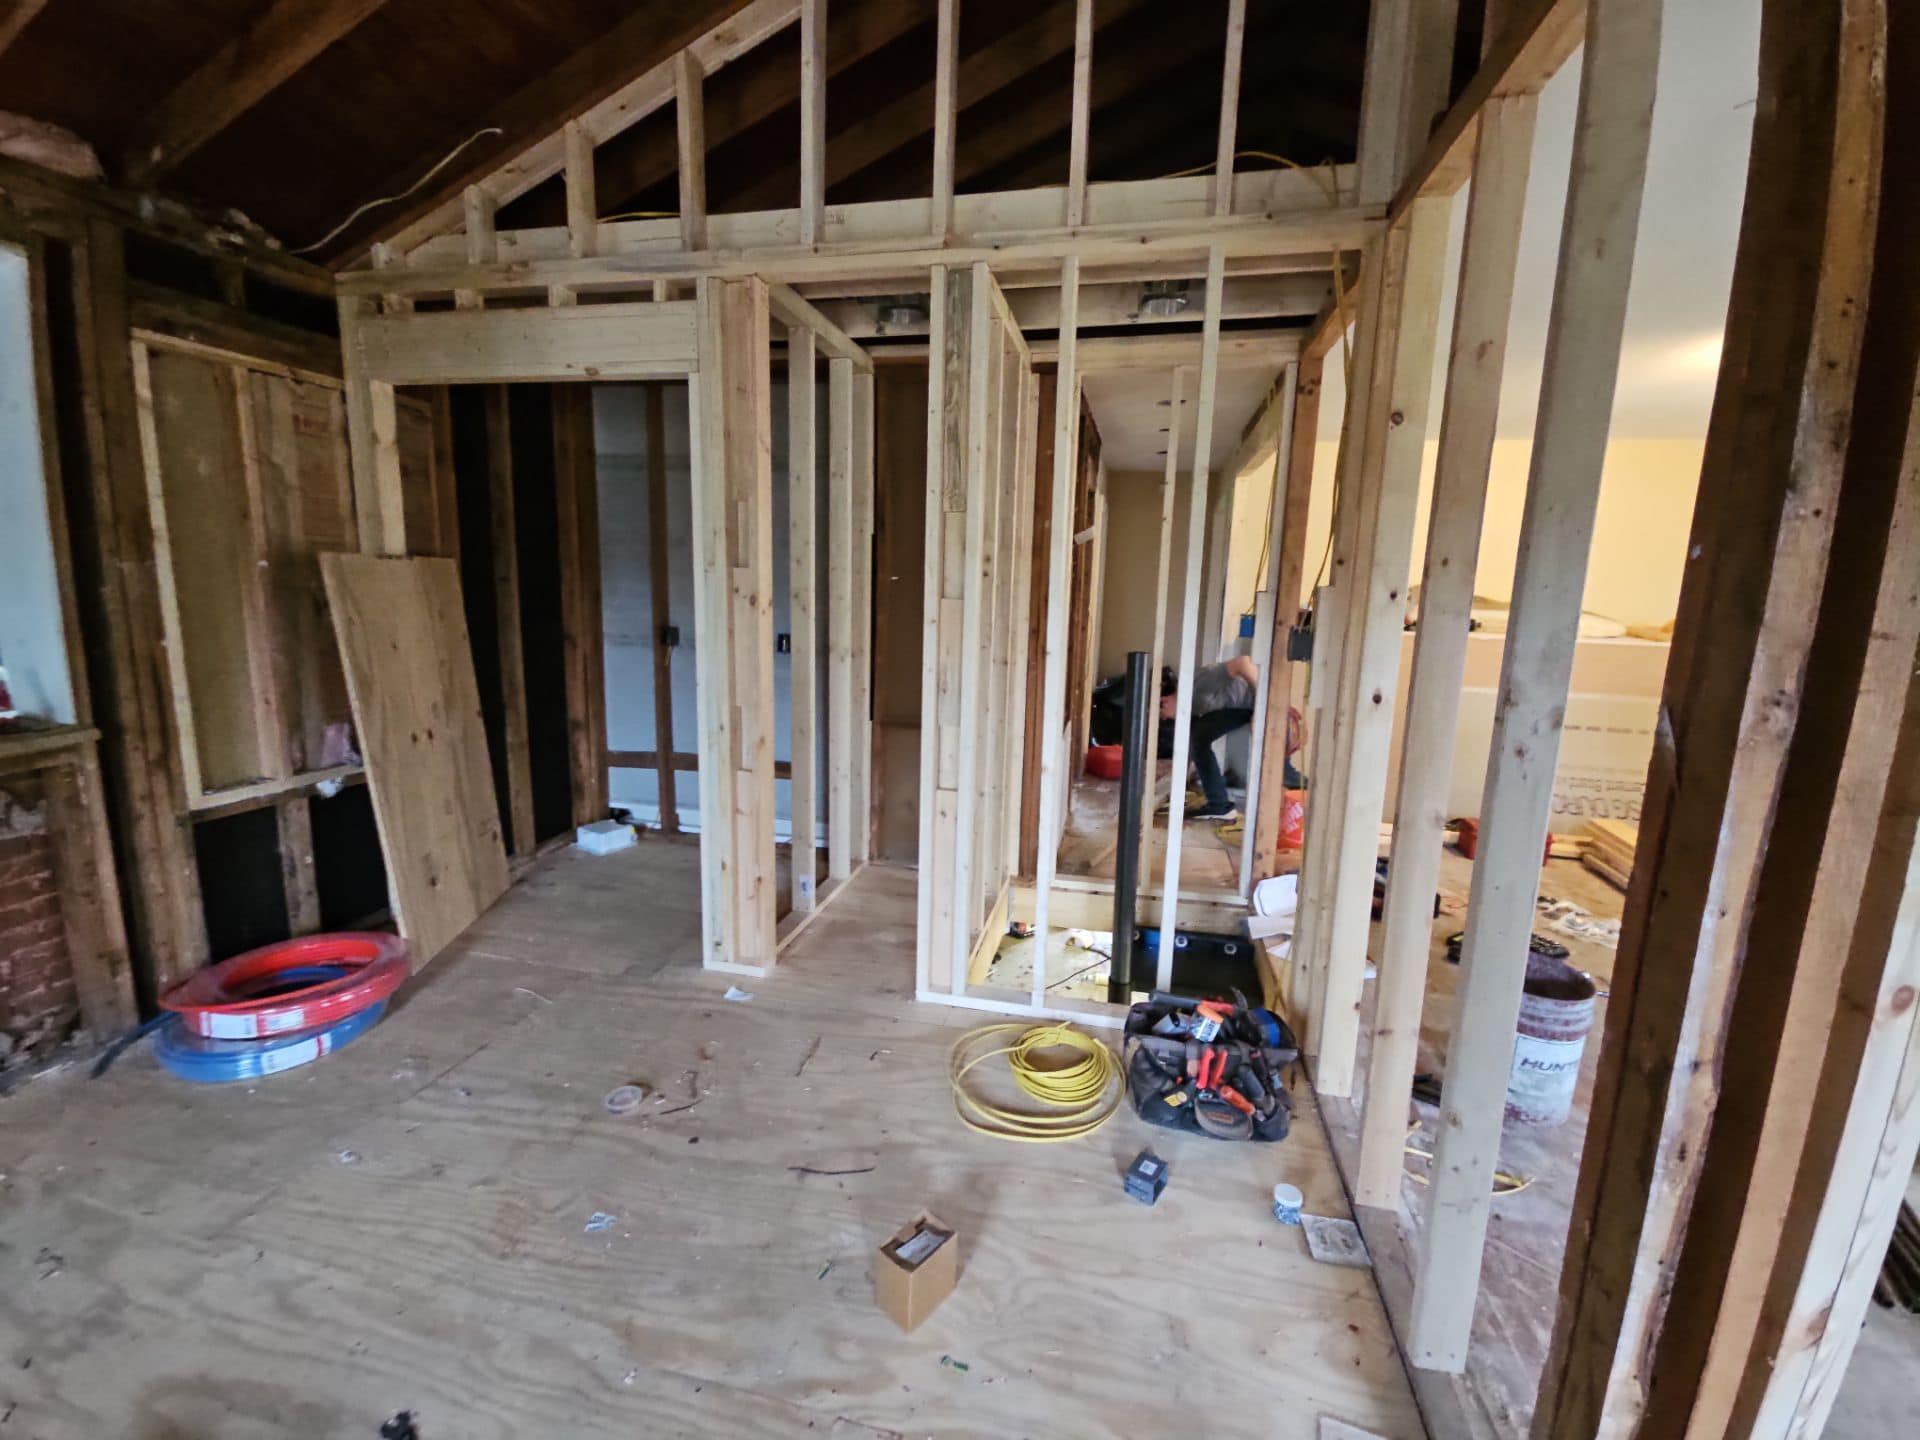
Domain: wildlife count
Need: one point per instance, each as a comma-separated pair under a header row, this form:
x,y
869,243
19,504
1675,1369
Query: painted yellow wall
x,y
1640,532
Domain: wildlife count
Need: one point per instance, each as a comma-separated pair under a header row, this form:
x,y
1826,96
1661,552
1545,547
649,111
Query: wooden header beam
x,y
646,340
793,310
1529,50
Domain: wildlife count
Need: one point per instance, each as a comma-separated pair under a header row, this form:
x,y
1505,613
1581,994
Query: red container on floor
x,y
1104,761
1468,841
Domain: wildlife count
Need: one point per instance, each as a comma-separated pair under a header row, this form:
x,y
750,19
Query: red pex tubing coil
x,y
293,985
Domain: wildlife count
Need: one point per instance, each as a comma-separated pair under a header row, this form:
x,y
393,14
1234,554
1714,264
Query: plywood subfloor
x,y
1526,1236
403,1226
1209,853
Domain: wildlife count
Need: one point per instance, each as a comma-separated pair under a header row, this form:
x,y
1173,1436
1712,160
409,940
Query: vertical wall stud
x,y
803,749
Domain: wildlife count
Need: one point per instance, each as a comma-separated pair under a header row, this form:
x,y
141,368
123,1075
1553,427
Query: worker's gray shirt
x,y
1214,688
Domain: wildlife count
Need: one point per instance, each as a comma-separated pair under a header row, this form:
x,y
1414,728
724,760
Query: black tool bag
x,y
1162,1093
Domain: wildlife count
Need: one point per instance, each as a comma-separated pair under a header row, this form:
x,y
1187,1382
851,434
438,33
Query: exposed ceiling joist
x,y
1118,74
14,15
1037,309
647,38
624,108
854,32
241,73
1048,277
909,120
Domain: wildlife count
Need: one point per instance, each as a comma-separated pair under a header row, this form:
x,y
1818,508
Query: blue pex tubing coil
x,y
195,1057
296,985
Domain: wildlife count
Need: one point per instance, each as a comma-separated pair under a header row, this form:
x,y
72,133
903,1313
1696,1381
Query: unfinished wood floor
x,y
402,1226
1209,853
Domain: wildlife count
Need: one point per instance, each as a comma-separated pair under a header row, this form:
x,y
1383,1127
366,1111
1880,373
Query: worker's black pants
x,y
1208,728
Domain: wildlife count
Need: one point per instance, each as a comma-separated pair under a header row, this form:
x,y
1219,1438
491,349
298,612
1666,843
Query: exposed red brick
x,y
38,1002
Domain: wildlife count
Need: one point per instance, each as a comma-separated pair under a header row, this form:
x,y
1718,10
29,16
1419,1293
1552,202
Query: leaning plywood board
x,y
403,642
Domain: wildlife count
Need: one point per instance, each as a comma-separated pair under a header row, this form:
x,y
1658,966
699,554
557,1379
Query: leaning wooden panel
x,y
403,640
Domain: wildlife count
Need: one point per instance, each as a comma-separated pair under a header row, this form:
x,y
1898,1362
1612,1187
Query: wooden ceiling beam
x,y
644,159
1118,75
647,38
908,121
240,74
14,15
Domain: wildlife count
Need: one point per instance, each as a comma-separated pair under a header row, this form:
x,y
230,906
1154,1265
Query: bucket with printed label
x,y
1556,1014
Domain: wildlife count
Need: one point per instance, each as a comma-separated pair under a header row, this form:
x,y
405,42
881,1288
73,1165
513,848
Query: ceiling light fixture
x,y
1164,299
903,311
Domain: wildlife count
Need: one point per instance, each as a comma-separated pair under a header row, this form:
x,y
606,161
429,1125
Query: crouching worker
x,y
1223,697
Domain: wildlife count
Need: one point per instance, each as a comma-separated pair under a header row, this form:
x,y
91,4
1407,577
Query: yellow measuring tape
x,y
1084,1093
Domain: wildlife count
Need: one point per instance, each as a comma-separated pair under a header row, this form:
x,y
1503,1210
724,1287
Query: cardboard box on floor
x,y
912,1275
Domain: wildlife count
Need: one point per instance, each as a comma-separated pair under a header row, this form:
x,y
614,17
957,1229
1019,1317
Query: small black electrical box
x,y
783,644
1146,1177
669,637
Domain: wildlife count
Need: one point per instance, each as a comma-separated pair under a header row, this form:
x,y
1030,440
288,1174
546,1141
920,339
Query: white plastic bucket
x,y
1556,1014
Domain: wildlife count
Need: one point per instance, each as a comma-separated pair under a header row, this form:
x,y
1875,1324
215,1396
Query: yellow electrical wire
x,y
1083,1093
1505,1182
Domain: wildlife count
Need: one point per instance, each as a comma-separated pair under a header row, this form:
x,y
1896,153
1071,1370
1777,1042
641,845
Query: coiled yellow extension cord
x,y
1078,1092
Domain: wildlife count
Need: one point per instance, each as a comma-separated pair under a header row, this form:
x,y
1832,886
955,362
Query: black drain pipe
x,y
1136,755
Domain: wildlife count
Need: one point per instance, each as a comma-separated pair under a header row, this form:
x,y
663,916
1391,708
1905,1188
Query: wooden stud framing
x,y
626,107
1169,489
963,706
660,577
1503,154
1523,51
946,61
690,120
1868,1131
518,829
1291,544
583,214
1770,486
1189,614
630,340
1223,154
1375,618
813,121
802,568
1053,691
483,242
840,619
1082,101
733,523
1280,218
1272,693
577,510
379,501
974,449
150,832
1582,363
793,309
297,878
1027,462
1309,952
860,800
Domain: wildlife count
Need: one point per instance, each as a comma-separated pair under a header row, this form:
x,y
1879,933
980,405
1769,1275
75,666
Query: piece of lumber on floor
x,y
403,640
